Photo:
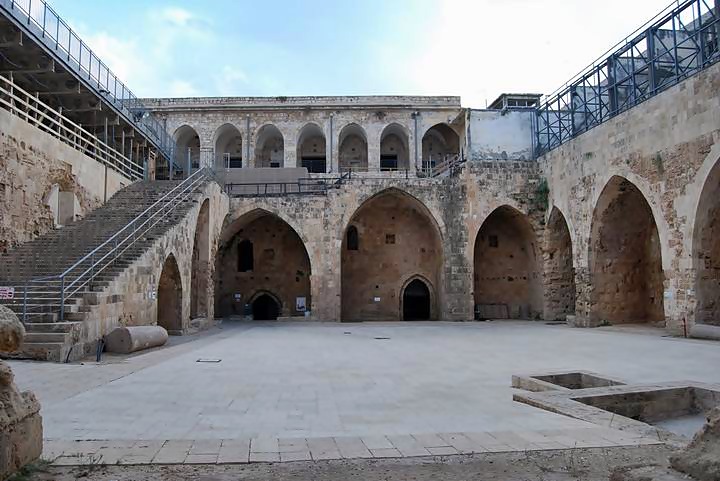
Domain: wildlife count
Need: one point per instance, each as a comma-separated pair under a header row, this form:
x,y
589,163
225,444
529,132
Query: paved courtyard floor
x,y
344,390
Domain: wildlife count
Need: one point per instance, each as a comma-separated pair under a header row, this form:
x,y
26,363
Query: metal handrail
x,y
99,258
680,41
22,104
39,19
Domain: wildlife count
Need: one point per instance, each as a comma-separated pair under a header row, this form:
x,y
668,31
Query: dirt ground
x,y
572,464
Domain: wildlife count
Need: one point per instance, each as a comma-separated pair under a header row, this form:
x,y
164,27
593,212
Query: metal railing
x,y
269,189
52,293
675,44
35,112
46,26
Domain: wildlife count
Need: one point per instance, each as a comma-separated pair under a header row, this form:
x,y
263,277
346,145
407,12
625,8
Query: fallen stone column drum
x,y
124,340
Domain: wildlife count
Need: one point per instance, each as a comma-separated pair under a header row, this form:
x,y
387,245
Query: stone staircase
x,y
50,336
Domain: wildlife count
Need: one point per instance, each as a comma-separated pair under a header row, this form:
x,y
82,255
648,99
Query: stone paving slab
x,y
240,451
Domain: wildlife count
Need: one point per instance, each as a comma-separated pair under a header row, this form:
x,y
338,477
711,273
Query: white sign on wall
x,y
7,292
376,299
300,304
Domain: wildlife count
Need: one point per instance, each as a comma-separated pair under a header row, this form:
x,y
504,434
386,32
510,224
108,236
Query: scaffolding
x,y
675,44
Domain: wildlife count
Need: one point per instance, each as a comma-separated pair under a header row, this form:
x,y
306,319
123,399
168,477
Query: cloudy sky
x,y
473,48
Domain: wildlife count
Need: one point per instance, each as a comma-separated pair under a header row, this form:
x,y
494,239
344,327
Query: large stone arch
x,y
269,147
398,239
170,297
506,260
353,148
200,270
706,249
228,146
394,147
625,257
187,146
559,278
311,148
281,264
439,143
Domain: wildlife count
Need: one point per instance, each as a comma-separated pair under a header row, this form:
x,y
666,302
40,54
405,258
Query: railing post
x,y
25,295
62,298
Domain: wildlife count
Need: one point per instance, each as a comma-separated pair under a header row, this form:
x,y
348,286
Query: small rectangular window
x,y
389,238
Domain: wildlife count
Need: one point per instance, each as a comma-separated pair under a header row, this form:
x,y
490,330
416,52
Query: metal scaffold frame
x,y
675,44
37,19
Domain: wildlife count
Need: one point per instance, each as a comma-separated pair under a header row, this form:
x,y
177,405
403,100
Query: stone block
x,y
124,340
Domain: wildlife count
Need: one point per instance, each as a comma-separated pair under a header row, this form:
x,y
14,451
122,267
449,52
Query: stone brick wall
x,y
667,148
32,164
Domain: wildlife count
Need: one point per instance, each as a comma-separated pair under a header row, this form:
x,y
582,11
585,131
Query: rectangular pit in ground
x,y
562,381
679,410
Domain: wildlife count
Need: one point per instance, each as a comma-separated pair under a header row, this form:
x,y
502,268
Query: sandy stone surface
x,y
576,464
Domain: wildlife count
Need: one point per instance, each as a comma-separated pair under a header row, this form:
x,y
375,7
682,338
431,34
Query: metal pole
x,y
25,294
62,298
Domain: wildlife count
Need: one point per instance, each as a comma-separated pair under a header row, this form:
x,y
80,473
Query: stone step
x,y
48,327
45,337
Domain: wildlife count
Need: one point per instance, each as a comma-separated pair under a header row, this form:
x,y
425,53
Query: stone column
x,y
20,423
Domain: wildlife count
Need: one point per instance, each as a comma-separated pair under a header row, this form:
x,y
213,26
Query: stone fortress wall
x,y
616,225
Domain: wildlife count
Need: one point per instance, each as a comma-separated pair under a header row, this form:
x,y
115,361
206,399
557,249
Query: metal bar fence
x,y
675,44
38,18
24,105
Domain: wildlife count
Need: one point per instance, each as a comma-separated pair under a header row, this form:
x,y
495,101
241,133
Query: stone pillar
x,y
679,300
583,295
373,144
20,423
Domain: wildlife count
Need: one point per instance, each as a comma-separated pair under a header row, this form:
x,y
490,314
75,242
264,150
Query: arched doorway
x,y
200,264
260,252
353,149
439,144
169,297
559,271
625,258
416,301
228,147
390,238
394,148
311,149
269,147
507,282
265,308
187,149
706,251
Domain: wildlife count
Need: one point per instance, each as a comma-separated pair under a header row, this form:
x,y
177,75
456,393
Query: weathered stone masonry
x,y
668,148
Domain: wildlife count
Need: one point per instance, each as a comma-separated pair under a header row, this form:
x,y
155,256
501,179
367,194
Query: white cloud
x,y
176,16
481,48
182,88
230,81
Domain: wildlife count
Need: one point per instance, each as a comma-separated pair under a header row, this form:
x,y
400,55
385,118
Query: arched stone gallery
x,y
625,258
262,261
391,255
507,281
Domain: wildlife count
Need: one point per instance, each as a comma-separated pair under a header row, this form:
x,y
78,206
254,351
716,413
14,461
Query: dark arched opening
x,y
169,297
353,241
416,301
265,308
246,257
